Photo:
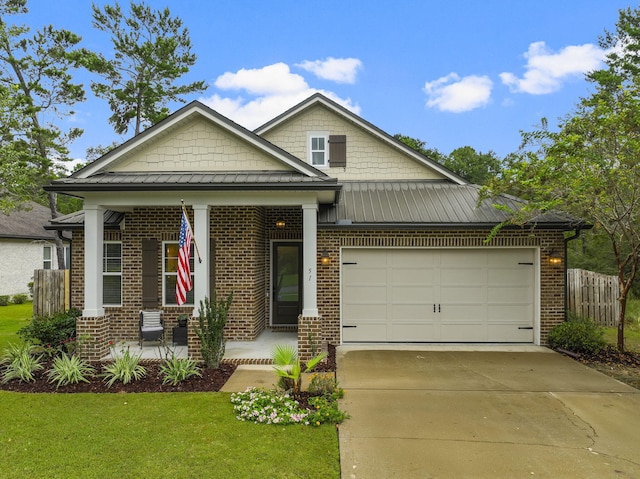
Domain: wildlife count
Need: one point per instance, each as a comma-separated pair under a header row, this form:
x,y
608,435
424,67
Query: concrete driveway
x,y
529,412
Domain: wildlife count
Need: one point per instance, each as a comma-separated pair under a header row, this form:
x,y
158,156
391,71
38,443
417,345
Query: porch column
x,y
201,269
93,251
309,260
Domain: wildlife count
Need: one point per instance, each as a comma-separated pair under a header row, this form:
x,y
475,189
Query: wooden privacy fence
x,y
50,291
593,295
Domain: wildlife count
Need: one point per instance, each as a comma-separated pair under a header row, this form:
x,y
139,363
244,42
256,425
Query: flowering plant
x,y
267,407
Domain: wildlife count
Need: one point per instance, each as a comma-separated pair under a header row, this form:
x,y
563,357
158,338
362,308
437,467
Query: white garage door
x,y
417,295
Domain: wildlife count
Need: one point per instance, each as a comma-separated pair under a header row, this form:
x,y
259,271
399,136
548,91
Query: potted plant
x,y
182,320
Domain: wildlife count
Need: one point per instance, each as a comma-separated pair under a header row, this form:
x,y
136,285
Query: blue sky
x,y
451,73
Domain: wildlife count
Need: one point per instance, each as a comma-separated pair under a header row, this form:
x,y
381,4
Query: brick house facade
x,y
239,184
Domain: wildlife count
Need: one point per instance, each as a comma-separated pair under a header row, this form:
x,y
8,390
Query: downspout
x,y
576,235
62,240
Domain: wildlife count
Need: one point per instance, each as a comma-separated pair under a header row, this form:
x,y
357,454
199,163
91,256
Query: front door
x,y
286,284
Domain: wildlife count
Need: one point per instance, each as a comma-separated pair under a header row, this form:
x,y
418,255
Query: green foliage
x,y
212,319
267,407
125,368
175,370
589,167
465,161
476,167
19,298
580,335
289,368
20,363
152,50
324,384
5,299
326,411
51,332
35,89
69,369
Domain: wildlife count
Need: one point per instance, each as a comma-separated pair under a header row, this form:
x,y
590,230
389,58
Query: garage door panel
x,y
509,333
510,295
479,295
371,332
411,332
462,293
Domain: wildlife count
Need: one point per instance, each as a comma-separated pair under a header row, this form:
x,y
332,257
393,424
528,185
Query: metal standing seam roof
x,y
422,203
189,180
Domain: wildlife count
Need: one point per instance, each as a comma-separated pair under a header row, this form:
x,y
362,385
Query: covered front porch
x,y
236,352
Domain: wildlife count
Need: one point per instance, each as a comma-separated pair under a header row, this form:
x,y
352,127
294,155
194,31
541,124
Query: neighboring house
x,y
317,220
25,246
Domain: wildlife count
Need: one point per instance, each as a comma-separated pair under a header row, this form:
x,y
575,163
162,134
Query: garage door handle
x,y
528,264
349,326
525,327
348,263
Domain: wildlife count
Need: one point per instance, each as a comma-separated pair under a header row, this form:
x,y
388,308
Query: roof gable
x,y
373,154
196,138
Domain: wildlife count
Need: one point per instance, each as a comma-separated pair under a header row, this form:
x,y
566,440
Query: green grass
x,y
177,435
631,328
12,318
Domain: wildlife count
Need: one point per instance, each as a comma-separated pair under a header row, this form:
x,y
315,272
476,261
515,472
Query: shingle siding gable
x,y
368,157
199,146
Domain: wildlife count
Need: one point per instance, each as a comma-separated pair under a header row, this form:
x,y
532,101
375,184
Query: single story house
x,y
317,221
25,245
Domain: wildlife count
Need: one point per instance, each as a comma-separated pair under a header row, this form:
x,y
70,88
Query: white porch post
x,y
93,251
309,260
201,270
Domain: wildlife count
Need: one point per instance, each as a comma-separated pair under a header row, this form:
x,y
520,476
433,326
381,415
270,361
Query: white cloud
x,y
455,94
274,88
272,79
340,70
546,71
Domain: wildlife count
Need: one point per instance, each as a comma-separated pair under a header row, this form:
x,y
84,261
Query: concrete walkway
x,y
422,413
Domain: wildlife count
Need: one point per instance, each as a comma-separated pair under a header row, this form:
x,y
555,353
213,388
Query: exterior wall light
x,y
280,223
324,257
555,258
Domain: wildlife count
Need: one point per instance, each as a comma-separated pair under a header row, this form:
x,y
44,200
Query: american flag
x,y
183,281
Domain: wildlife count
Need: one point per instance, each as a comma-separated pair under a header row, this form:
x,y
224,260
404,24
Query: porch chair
x,y
151,326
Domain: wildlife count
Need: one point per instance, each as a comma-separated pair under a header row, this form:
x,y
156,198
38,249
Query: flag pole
x,y
184,211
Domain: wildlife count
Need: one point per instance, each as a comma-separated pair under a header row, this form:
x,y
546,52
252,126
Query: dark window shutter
x,y
149,274
212,267
338,150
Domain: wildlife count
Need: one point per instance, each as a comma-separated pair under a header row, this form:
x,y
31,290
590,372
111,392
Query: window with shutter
x,y
112,274
318,148
338,151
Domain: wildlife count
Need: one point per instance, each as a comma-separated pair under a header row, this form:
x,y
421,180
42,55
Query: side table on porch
x,y
180,335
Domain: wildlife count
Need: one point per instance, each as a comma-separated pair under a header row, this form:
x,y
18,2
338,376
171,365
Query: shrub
x,y
580,335
326,411
68,369
323,384
20,298
289,369
212,318
175,370
51,332
125,368
4,300
20,363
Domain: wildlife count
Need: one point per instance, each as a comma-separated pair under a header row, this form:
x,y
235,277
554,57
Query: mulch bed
x,y
212,380
624,367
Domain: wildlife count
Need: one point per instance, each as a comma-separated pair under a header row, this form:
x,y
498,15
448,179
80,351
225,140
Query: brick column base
x,y
194,347
93,335
310,337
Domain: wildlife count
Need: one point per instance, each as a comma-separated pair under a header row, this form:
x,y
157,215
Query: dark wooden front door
x,y
286,282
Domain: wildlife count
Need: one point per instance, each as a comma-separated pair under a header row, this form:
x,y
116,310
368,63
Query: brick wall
x,y
243,237
551,277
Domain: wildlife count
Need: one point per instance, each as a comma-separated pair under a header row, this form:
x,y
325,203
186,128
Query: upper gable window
x,y
318,148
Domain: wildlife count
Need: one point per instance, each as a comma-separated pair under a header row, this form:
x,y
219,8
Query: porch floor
x,y
237,352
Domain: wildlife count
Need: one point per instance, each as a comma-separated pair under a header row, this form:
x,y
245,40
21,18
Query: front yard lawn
x,y
177,435
12,318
